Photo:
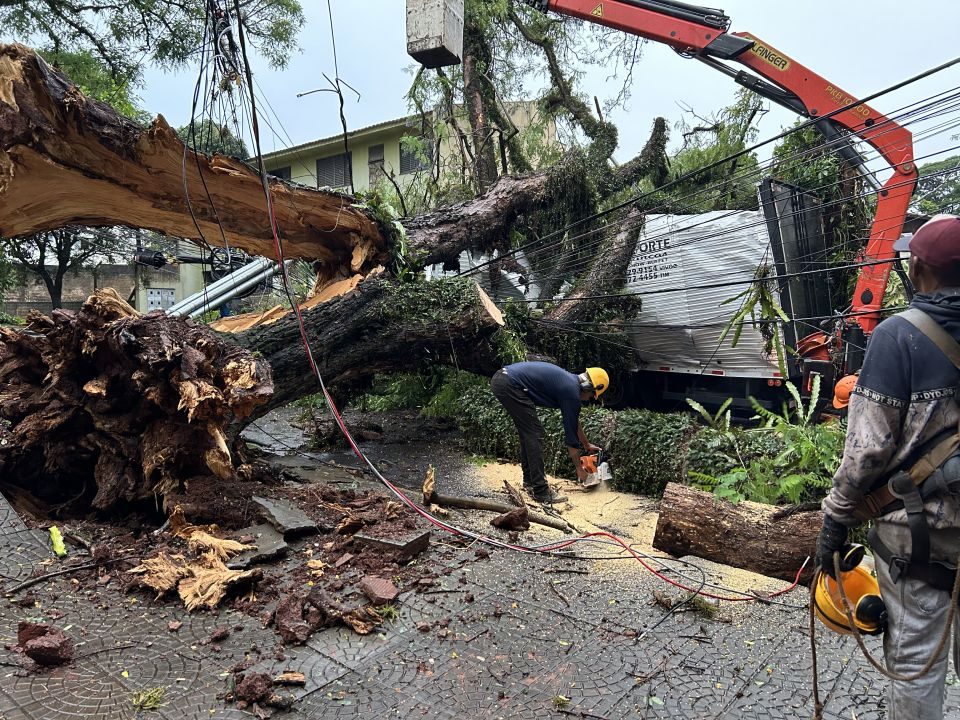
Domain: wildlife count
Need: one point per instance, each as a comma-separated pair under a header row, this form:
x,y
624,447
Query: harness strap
x,y
903,487
935,332
938,575
883,499
879,501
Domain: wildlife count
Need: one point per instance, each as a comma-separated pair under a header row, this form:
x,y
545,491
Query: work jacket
x,y
905,396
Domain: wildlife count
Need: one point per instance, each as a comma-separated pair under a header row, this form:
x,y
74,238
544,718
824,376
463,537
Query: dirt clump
x,y
44,644
253,688
513,520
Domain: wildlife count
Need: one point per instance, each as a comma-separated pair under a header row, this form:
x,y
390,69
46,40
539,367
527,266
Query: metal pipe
x,y
230,293
187,304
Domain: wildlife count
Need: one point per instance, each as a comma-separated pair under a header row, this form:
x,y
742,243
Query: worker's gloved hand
x,y
833,536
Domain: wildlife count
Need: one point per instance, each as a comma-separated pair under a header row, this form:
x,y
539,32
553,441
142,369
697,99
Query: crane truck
x,y
836,347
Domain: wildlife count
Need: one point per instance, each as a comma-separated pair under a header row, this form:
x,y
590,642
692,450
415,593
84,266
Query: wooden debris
x,y
290,677
430,496
210,580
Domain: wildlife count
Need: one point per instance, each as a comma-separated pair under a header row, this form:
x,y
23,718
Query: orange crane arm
x,y
703,33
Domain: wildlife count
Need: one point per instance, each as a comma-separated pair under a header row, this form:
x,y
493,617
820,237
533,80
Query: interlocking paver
x,y
9,520
22,550
504,637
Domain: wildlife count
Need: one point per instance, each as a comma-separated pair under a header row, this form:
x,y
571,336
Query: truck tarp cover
x,y
678,258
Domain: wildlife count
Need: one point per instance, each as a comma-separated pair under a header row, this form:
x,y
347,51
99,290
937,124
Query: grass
x,y
146,700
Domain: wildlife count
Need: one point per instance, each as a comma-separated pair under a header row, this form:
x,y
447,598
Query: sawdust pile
x,y
632,518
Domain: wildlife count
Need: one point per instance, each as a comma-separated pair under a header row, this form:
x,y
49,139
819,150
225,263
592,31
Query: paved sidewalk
x,y
509,636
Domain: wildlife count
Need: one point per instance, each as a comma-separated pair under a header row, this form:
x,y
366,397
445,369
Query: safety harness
x,y
935,472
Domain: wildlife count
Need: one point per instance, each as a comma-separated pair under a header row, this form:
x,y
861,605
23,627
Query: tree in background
x,y
51,255
123,35
726,186
509,50
938,189
802,158
209,137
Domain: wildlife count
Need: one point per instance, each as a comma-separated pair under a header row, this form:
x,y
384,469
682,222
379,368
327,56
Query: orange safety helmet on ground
x,y
843,390
862,591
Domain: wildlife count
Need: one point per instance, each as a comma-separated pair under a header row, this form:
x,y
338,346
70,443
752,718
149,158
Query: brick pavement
x,y
509,640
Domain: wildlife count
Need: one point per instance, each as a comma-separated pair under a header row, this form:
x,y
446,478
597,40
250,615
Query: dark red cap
x,y
937,242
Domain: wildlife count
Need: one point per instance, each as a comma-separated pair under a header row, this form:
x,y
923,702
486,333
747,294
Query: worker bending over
x,y
523,387
901,467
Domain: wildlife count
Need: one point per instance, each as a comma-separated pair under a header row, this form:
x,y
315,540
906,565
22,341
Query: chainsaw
x,y
597,469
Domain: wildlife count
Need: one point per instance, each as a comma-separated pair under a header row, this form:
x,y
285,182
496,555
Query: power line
x,y
742,153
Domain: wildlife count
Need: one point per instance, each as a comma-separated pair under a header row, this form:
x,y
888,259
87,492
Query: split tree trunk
x,y
748,535
118,173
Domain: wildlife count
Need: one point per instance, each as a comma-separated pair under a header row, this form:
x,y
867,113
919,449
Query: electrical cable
x,y
746,151
545,549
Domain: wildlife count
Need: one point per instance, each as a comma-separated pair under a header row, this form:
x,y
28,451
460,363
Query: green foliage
x,y
938,188
95,80
802,159
124,35
759,301
711,140
720,420
378,202
148,700
7,319
429,302
802,470
208,137
401,391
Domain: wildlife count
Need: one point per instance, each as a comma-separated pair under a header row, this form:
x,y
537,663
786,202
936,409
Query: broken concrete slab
x,y
408,546
287,518
379,590
268,545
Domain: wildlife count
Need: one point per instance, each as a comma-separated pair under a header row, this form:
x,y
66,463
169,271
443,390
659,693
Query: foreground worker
x,y
523,387
903,416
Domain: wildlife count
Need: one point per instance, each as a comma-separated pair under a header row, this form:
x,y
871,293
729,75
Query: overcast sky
x,y
862,47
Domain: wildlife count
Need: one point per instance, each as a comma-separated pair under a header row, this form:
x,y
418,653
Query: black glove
x,y
833,536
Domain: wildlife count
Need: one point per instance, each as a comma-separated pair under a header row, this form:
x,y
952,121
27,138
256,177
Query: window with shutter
x,y
412,160
283,173
334,171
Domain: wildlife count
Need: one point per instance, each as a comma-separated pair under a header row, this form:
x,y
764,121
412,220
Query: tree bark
x,y
747,535
476,60
118,173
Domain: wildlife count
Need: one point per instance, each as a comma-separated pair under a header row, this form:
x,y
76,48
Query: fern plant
x,y
803,470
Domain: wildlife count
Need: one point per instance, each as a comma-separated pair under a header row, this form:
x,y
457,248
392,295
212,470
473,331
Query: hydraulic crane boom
x,y
703,33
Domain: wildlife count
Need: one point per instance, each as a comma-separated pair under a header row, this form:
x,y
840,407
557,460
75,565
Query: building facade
x,y
400,149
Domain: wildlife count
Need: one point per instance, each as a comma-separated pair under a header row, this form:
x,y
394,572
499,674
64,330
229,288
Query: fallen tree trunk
x,y
106,406
67,159
748,535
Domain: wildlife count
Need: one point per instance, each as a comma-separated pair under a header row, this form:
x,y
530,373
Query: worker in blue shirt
x,y
523,387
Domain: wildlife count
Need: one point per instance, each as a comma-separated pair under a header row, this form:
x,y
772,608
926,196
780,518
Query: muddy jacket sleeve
x,y
875,424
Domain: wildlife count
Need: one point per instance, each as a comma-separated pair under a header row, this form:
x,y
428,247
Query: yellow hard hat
x,y
863,592
599,380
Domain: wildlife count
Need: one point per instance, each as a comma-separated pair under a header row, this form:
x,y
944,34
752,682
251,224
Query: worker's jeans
x,y
524,414
916,616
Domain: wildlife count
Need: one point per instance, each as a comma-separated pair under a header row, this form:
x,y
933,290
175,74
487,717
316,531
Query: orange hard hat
x,y
843,390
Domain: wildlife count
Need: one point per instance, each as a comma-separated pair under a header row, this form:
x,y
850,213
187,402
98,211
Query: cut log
x,y
106,406
748,535
66,159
